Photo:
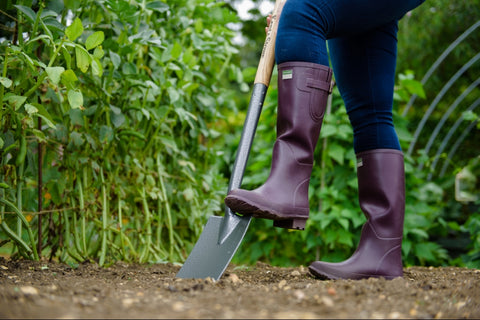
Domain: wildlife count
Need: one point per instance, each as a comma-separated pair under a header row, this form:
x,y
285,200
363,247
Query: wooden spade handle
x,y
267,60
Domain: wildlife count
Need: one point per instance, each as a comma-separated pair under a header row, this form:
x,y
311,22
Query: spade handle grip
x,y
267,59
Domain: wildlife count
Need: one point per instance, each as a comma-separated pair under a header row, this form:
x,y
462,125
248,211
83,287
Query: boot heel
x,y
297,224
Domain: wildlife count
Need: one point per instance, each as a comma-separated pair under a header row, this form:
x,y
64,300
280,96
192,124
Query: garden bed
x,y
52,290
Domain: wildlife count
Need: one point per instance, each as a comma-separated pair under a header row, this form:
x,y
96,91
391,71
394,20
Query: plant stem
x,y
20,25
103,251
55,54
2,207
160,224
37,84
67,243
115,231
71,250
37,19
27,226
40,189
120,225
18,240
4,74
82,213
21,168
76,238
167,208
146,252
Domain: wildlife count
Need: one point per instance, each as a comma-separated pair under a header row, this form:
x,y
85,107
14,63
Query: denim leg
x,y
302,32
364,69
305,25
362,39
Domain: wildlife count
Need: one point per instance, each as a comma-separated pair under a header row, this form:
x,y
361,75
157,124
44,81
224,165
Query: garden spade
x,y
222,236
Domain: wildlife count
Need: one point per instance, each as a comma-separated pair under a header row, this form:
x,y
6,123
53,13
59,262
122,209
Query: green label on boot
x,y
359,162
287,74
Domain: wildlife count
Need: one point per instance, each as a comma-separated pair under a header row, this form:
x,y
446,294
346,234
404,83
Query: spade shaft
x,y
222,236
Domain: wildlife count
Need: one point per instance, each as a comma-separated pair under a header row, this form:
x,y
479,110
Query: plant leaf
x,y
75,98
55,73
98,53
83,58
336,152
5,82
94,40
115,58
105,134
28,12
97,68
31,109
43,113
16,101
53,24
176,50
158,6
74,30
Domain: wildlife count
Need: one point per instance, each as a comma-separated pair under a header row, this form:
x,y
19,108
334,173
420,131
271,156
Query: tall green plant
x,y
31,67
131,95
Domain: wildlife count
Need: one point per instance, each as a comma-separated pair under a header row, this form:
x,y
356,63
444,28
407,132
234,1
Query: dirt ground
x,y
51,290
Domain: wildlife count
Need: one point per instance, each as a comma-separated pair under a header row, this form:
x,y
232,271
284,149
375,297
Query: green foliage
x,y
466,191
424,34
136,109
131,96
472,226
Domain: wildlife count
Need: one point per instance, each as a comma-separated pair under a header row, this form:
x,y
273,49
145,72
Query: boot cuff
x,y
303,64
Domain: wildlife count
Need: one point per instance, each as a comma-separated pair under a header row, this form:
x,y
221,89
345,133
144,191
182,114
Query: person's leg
x,y
364,68
302,32
303,89
301,55
305,25
304,82
381,194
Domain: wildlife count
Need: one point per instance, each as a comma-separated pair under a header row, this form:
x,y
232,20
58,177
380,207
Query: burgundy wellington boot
x,y
303,89
381,193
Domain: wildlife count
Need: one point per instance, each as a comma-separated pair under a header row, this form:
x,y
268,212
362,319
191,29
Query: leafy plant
x,y
131,95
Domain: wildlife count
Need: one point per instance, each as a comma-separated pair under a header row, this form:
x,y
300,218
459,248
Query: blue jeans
x,y
362,42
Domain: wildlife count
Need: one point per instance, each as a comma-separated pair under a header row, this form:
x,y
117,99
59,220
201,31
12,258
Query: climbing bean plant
x,y
111,113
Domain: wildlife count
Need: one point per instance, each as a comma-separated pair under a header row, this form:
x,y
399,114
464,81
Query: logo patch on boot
x,y
359,162
287,74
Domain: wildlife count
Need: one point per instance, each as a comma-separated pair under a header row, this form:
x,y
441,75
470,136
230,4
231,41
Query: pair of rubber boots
x,y
303,90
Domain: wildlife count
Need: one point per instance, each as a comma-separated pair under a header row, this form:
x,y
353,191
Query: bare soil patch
x,y
51,290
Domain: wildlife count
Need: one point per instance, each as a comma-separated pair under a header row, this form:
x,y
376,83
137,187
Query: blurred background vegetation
x,y
120,121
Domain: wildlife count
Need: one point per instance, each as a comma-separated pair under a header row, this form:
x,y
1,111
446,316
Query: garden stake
x,y
222,236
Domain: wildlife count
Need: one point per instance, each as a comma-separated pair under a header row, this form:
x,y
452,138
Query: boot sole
x,y
352,276
279,221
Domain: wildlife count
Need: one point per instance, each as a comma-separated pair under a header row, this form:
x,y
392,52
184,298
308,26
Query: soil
x,y
43,289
